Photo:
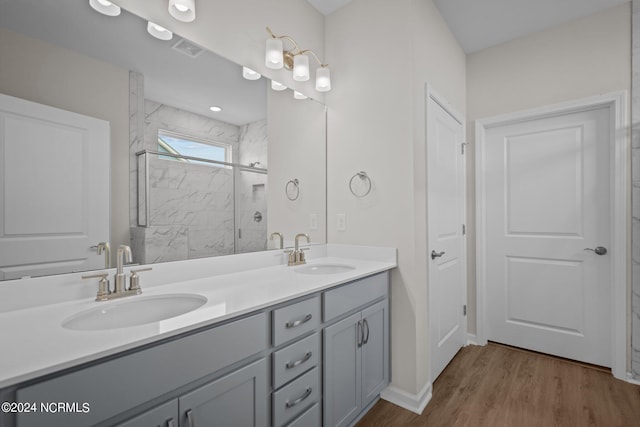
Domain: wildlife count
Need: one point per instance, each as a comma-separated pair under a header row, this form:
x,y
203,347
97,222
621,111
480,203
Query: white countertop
x,y
34,343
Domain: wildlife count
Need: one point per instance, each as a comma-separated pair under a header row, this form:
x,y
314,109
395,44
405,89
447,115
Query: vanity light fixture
x,y
105,7
183,10
249,74
215,109
295,59
277,86
159,31
299,95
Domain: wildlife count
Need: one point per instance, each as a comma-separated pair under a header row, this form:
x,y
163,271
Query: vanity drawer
x,y
295,359
125,382
293,399
311,418
353,295
295,320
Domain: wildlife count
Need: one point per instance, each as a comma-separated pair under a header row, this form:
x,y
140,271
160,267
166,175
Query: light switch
x,y
341,220
313,221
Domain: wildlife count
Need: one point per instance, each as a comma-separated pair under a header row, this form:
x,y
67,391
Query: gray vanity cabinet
x,y
238,399
162,416
356,352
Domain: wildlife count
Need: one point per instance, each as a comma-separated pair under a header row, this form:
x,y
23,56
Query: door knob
x,y
599,250
435,254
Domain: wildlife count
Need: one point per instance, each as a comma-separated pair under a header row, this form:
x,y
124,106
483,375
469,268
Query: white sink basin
x,y
133,312
324,269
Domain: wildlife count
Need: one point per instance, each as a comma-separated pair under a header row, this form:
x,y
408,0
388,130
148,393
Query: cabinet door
x,y
375,351
342,372
236,400
162,416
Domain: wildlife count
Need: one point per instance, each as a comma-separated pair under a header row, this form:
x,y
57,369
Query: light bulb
x,y
301,68
299,95
273,57
215,108
323,79
183,10
105,7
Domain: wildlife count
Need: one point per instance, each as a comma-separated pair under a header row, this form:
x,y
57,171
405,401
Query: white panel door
x,y
547,200
54,189
445,213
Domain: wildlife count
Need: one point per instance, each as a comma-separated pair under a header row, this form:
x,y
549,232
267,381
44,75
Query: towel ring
x,y
296,187
364,177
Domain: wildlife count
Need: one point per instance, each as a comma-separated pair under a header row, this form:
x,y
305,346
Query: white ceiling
x,y
170,77
478,24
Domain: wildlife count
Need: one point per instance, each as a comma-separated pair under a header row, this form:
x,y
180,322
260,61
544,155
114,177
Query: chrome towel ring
x,y
292,189
365,184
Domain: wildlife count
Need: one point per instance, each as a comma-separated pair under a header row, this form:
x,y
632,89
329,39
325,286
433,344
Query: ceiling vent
x,y
188,48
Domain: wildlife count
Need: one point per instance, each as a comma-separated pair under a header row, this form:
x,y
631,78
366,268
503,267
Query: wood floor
x,y
498,386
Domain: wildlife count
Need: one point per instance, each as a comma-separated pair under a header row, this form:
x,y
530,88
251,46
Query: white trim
x,y
631,379
619,212
411,402
430,93
472,339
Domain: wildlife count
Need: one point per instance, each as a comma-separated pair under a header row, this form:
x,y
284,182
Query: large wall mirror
x,y
184,181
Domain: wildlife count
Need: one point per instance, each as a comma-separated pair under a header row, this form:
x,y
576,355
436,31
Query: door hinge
x,y
464,229
463,146
464,310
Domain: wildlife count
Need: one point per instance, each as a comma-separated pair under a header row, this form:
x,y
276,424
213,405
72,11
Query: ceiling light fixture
x,y
105,7
299,95
249,74
295,59
277,86
183,10
159,31
215,109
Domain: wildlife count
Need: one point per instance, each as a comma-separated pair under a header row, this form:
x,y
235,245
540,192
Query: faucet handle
x,y
292,257
103,285
134,279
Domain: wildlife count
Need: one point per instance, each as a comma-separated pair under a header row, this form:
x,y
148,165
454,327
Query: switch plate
x,y
341,222
313,221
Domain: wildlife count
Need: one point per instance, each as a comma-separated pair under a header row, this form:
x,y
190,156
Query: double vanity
x,y
243,340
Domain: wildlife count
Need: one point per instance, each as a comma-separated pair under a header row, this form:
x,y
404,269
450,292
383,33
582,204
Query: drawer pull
x,y
291,365
300,399
190,419
171,423
298,322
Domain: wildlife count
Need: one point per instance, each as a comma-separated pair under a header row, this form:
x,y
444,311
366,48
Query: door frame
x,y
430,93
619,191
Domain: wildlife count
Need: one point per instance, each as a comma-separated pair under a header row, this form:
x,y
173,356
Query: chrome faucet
x,y
296,257
276,234
106,248
123,256
119,289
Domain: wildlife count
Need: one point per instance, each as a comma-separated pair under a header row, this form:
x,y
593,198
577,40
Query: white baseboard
x,y
631,379
472,339
411,402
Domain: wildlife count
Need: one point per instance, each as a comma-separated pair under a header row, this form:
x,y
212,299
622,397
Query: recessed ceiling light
x,y
215,109
299,95
183,10
277,85
105,7
158,31
249,74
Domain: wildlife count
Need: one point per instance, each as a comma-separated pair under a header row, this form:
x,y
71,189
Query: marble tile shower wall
x,y
635,188
251,191
191,207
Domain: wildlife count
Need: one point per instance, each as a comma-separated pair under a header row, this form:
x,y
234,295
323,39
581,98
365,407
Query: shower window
x,y
174,143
